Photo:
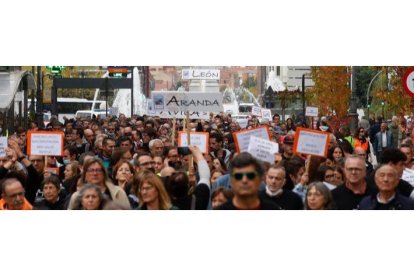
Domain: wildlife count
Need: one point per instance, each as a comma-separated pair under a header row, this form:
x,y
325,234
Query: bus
x,y
67,107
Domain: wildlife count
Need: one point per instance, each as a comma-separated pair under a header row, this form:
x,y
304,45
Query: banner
x,y
242,138
199,139
182,115
263,149
311,111
266,114
256,111
45,143
187,101
312,142
200,74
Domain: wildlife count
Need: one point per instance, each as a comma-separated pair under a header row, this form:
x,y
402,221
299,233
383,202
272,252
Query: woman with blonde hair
x,y
94,173
151,192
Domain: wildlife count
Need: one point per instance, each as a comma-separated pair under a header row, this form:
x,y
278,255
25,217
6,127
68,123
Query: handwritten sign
x,y
187,101
243,122
182,115
45,143
199,139
3,146
242,138
408,175
263,149
312,142
256,111
200,74
267,114
311,111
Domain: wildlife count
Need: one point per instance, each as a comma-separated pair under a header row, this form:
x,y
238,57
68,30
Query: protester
x,y
319,197
246,172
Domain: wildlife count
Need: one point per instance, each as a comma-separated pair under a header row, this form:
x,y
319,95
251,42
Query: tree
x,y
331,92
389,89
364,76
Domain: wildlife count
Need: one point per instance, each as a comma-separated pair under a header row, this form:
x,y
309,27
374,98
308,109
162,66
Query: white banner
x,y
3,146
408,175
200,74
45,143
266,114
150,108
242,138
311,111
182,115
263,149
199,139
311,142
187,101
256,111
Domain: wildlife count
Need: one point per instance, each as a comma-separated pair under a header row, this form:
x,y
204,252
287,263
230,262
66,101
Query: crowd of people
x,y
134,163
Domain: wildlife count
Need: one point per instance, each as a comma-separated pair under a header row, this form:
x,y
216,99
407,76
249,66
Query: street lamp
x,y
368,90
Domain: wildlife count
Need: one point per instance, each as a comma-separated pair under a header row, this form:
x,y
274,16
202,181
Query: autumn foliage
x,y
392,91
331,92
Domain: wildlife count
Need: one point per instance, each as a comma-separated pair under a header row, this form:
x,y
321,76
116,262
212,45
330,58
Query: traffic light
x,y
55,70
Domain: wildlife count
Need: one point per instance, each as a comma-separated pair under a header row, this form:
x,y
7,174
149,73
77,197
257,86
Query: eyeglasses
x,y
94,171
329,175
249,175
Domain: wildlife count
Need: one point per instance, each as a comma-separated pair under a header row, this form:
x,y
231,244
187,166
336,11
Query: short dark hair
x,y
217,136
106,139
53,179
123,139
72,150
392,155
245,159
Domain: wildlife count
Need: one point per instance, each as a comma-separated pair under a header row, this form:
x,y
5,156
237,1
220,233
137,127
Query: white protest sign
x,y
199,139
266,114
242,138
263,149
182,115
3,146
45,143
311,142
243,122
200,74
187,101
408,175
256,111
311,111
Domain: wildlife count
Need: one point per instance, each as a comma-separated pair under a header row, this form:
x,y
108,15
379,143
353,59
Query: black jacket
x,y
288,200
46,205
345,199
399,202
264,205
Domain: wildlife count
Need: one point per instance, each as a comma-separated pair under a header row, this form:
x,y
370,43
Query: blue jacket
x,y
378,142
399,202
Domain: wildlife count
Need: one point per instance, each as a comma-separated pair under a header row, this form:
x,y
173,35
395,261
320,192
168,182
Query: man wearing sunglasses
x,y
246,175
